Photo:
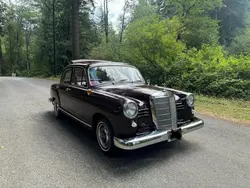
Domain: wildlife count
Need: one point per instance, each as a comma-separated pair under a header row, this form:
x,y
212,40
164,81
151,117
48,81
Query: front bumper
x,y
157,136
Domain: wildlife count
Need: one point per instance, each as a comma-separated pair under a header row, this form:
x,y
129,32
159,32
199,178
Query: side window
x,y
67,76
79,77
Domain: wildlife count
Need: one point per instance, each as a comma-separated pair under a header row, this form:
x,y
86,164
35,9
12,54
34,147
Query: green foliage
x,y
28,36
142,9
199,31
194,45
109,51
241,43
151,45
215,73
232,16
3,8
13,40
154,43
192,8
198,27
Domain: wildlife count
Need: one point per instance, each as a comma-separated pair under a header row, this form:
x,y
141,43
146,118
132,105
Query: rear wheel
x,y
105,136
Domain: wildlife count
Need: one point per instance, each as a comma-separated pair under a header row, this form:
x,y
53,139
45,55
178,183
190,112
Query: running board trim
x,y
72,116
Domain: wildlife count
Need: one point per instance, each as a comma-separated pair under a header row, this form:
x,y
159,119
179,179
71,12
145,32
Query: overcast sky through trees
x,y
115,8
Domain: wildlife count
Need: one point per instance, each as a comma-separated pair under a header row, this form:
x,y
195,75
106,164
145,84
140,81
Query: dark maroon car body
x,y
89,103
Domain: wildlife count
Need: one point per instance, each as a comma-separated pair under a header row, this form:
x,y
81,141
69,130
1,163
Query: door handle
x,y
68,89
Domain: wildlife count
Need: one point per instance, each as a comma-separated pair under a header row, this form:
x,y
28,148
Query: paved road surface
x,y
40,151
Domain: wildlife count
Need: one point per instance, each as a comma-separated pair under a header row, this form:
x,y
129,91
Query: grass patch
x,y
234,110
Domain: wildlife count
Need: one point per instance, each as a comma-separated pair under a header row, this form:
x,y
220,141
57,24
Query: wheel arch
x,y
55,96
98,116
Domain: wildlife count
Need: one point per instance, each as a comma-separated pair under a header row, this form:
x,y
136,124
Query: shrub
x,y
151,44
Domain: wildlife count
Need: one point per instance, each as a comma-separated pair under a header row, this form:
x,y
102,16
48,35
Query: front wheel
x,y
104,136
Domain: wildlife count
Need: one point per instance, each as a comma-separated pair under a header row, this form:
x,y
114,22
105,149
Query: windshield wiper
x,y
122,80
136,81
125,80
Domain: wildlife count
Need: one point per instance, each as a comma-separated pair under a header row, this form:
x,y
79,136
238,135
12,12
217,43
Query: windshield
x,y
114,74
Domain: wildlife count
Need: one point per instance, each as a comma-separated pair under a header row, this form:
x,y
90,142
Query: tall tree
x,y
185,8
14,39
29,19
124,17
198,28
142,9
232,16
102,19
75,25
3,8
106,19
75,29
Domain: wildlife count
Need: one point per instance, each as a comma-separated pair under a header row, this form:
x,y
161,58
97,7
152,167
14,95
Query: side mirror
x,y
148,81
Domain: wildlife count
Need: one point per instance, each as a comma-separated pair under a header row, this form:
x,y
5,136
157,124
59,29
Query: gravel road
x,y
39,151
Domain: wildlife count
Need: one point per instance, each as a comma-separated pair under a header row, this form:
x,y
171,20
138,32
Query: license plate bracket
x,y
177,134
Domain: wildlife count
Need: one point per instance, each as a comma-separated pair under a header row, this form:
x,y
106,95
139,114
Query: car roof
x,y
93,63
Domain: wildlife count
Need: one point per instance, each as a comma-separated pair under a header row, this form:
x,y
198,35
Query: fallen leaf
x,y
1,147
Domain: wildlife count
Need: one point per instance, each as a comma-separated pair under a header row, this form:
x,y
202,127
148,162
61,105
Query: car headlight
x,y
190,100
130,109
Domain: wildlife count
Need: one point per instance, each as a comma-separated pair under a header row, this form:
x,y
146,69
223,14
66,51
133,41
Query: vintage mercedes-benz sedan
x,y
113,100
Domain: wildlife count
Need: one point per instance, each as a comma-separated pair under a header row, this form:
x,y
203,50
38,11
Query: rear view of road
x,y
41,151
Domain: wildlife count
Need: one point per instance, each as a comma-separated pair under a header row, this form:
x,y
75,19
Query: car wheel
x,y
57,110
104,136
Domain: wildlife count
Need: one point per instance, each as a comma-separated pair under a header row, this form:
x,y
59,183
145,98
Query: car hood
x,y
140,92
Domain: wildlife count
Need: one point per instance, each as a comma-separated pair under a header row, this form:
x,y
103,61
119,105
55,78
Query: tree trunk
x,y
10,59
1,58
126,9
54,41
27,50
18,49
75,29
122,25
106,21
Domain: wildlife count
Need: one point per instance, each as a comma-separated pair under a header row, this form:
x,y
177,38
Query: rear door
x,y
78,92
64,88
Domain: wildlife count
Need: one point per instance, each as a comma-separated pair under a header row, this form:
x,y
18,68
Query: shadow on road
x,y
125,162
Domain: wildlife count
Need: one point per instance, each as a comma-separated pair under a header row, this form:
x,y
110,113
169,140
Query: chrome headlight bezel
x,y
130,105
190,100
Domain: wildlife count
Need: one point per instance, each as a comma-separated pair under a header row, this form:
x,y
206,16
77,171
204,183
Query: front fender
x,y
111,107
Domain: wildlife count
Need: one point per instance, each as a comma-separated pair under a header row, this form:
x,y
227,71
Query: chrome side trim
x,y
155,136
74,117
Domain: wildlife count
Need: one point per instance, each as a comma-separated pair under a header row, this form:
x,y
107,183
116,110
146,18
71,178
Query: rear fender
x,y
54,96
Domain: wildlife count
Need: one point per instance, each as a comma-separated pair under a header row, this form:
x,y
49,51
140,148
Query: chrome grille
x,y
180,106
164,112
145,112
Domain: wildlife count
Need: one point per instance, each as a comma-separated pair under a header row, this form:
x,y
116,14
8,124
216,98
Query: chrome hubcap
x,y
103,136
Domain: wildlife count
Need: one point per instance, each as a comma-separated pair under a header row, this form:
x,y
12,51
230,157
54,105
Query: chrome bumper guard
x,y
157,136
